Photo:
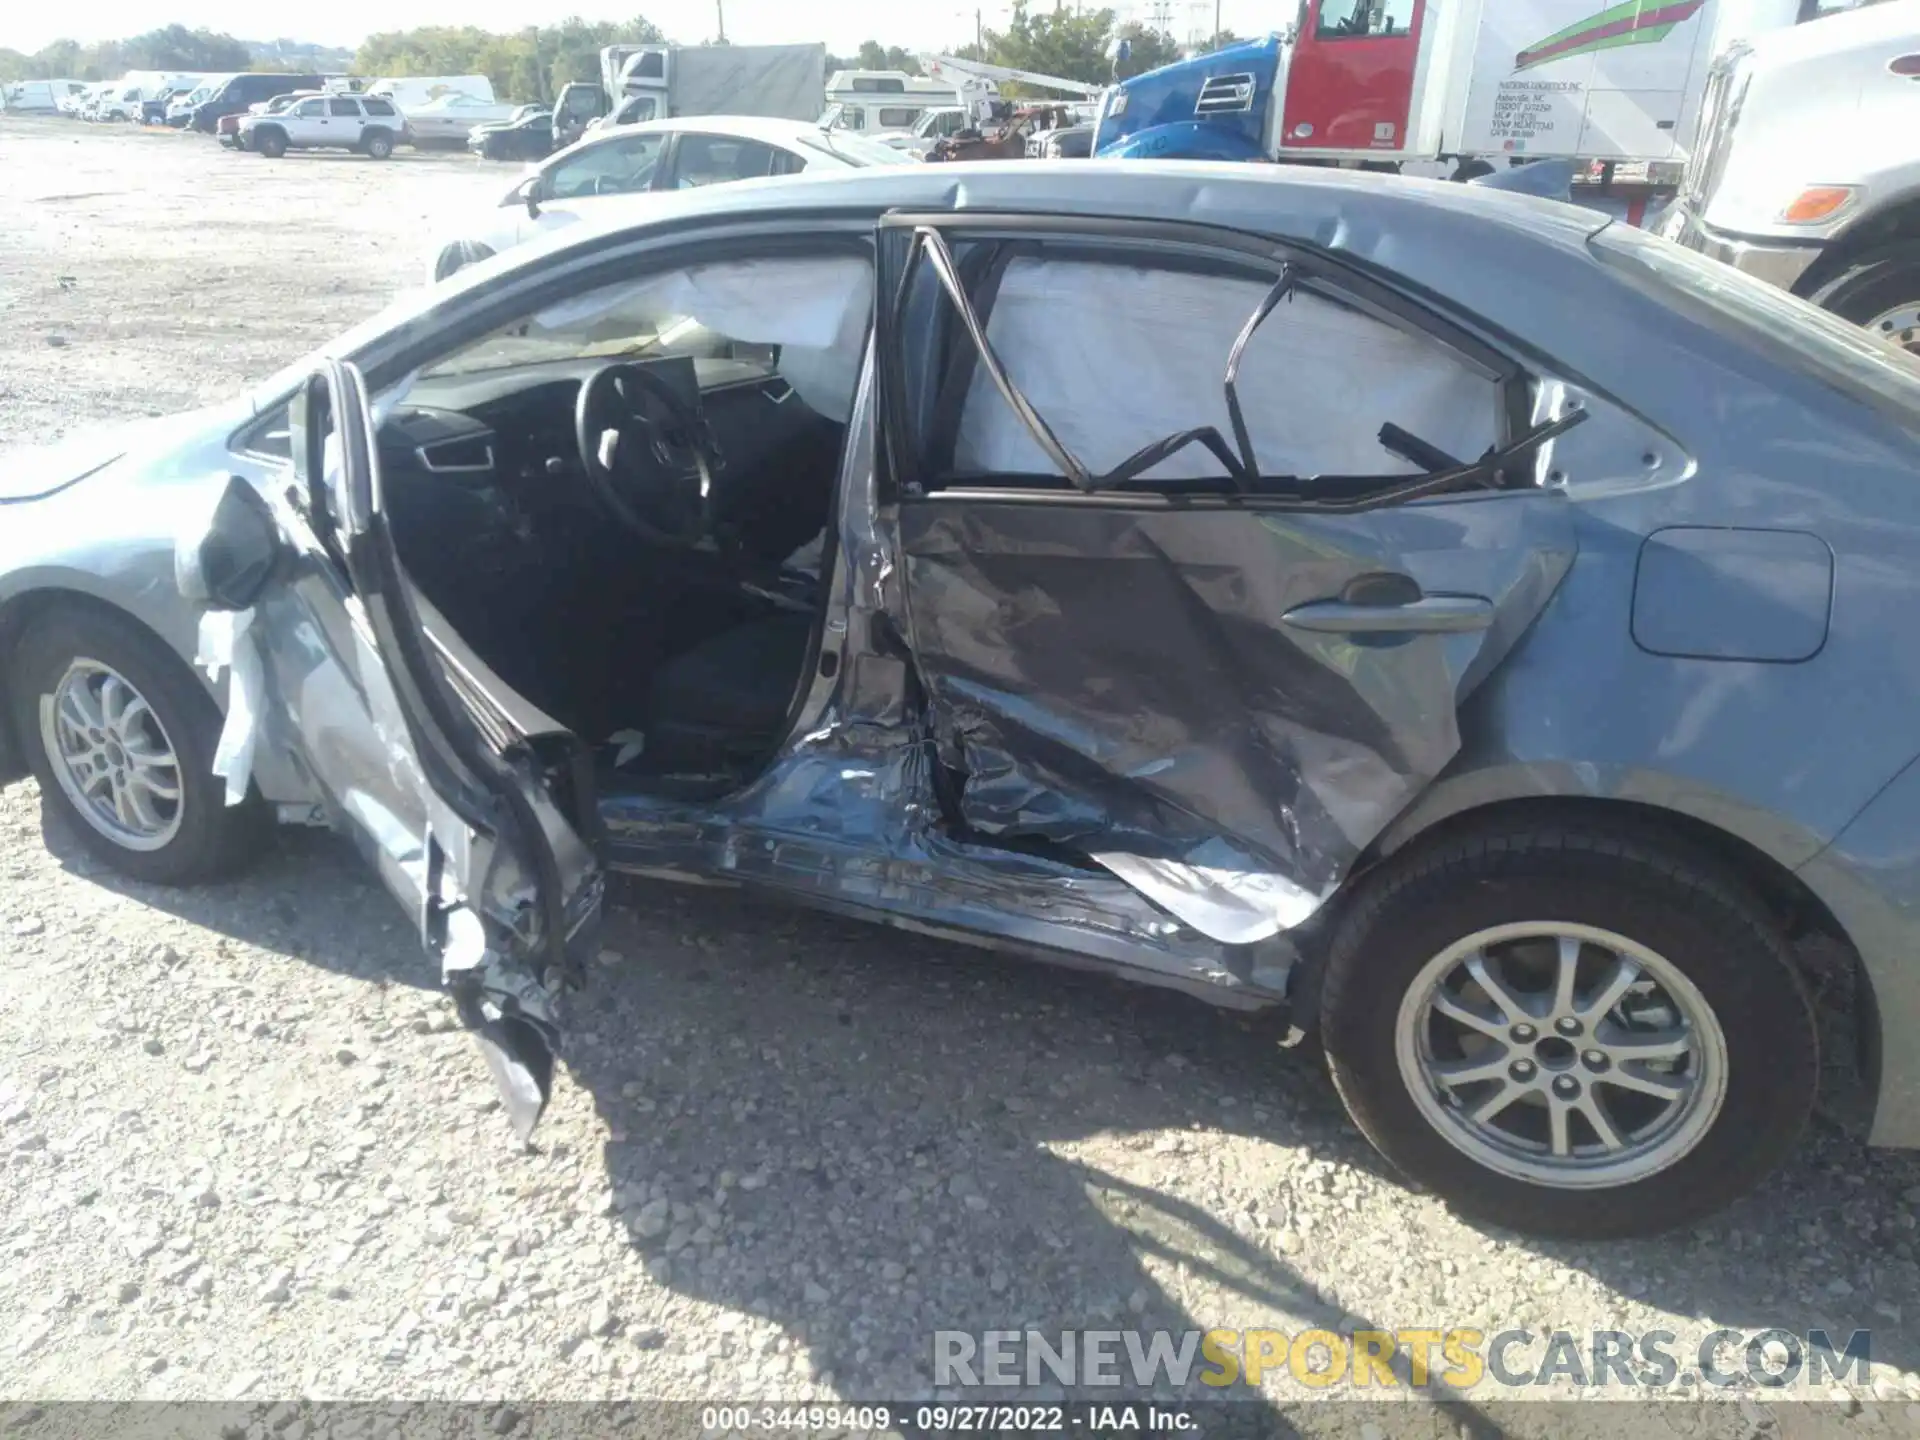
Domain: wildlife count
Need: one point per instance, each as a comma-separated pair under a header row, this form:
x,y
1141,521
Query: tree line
x,y
171,47
532,64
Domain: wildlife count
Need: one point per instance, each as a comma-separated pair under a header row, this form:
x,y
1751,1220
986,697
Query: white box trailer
x,y
1565,79
657,82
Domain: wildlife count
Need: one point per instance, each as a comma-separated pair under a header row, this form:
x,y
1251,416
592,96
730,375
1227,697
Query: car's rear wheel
x,y
270,143
1880,291
379,145
1571,1032
121,738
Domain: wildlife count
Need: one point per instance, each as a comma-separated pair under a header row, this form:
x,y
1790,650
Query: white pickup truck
x,y
1806,170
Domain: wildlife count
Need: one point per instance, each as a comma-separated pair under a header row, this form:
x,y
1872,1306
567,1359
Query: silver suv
x,y
367,123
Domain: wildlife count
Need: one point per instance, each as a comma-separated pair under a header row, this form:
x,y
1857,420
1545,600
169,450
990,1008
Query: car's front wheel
x,y
459,255
121,738
1570,1032
270,143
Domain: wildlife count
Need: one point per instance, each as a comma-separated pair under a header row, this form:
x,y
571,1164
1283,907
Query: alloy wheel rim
x,y
112,756
1898,327
1562,1055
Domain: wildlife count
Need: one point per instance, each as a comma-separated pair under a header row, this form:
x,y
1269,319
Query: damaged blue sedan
x,y
1468,629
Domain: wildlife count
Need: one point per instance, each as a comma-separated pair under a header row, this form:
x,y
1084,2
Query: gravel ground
x,y
245,1153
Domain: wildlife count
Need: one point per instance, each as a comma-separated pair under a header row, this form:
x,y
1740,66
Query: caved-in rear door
x,y
1204,545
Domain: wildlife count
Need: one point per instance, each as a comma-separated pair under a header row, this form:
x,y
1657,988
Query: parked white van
x,y
41,96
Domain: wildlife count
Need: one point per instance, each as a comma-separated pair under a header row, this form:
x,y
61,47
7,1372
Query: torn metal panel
x,y
1228,903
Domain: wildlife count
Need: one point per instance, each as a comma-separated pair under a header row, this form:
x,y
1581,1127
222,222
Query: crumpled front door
x,y
470,804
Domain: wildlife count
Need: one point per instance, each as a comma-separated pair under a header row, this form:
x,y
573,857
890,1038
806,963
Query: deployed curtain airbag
x,y
1116,357
815,308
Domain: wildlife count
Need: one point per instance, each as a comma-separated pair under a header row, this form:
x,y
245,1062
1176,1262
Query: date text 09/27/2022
x,y
948,1419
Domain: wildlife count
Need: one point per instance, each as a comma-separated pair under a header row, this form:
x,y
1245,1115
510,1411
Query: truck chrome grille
x,y
1719,111
1225,95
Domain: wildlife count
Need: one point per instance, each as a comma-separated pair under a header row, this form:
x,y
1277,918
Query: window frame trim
x,y
901,463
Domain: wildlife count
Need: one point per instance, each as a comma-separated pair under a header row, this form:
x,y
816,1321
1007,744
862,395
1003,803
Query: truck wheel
x,y
1880,291
270,143
378,145
1570,1030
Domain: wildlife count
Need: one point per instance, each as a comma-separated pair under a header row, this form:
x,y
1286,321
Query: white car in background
x,y
610,172
450,119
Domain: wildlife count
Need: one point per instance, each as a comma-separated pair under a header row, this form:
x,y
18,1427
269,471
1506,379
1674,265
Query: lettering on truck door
x,y
1576,78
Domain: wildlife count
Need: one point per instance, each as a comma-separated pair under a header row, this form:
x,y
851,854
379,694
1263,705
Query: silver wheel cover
x,y
112,757
1562,1055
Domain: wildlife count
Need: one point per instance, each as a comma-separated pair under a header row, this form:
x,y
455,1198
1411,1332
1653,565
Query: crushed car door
x,y
470,803
1205,541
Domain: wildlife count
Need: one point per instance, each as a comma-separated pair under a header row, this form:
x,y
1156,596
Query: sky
x,y
841,24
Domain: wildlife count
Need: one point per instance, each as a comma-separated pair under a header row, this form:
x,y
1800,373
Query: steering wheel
x,y
649,455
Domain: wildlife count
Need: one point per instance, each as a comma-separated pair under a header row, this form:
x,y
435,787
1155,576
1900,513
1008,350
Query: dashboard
x,y
483,470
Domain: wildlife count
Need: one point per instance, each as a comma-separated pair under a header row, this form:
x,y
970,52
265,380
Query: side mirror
x,y
530,194
236,553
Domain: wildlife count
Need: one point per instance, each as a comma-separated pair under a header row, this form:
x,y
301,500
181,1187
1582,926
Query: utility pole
x,y
720,12
979,34
1216,23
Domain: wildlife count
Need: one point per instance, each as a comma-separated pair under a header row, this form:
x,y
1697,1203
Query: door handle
x,y
1429,615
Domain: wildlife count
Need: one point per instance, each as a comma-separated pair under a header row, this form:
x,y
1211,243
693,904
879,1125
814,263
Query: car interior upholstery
x,y
677,648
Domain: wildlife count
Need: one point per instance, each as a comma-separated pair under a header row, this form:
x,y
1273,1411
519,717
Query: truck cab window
x,y
1357,19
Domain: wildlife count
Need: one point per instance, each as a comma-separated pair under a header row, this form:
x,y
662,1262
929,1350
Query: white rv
x,y
872,100
411,91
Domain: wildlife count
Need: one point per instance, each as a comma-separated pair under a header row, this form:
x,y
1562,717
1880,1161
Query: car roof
x,y
1351,210
1463,241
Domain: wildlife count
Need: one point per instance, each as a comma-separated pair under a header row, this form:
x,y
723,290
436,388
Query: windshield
x,y
1830,349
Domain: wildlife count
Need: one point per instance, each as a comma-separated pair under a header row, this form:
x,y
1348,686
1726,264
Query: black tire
x,y
458,255
1679,904
213,838
378,145
270,143
1877,283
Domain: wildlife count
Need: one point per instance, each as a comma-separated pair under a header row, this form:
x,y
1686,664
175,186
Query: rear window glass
x,y
1789,329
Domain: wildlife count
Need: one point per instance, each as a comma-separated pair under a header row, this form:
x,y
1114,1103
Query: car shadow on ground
x,y
866,1136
